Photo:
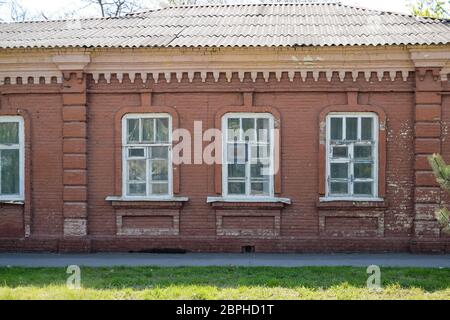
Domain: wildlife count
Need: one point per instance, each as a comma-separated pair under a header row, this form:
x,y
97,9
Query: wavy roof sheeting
x,y
233,26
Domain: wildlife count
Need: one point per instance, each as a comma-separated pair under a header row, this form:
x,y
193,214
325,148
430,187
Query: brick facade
x,y
73,163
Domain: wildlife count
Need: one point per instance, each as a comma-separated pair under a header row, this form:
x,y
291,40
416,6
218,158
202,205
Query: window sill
x,y
351,203
167,202
12,202
264,203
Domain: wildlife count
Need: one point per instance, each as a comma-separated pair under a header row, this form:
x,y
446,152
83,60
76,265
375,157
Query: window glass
x,y
10,173
352,158
148,166
9,132
336,128
366,129
248,156
133,130
351,129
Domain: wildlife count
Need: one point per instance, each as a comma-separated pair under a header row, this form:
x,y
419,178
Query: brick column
x,y
75,154
428,112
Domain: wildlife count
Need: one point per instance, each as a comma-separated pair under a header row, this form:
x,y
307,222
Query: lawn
x,y
224,283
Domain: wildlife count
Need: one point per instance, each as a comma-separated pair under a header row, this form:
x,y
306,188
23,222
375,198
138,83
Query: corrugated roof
x,y
327,24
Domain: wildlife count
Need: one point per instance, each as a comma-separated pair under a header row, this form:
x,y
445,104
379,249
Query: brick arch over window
x,y
249,109
381,142
118,142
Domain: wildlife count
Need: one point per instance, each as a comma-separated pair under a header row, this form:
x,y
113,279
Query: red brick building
x,y
352,102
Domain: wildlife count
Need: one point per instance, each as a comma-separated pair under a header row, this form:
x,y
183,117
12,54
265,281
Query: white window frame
x,y
21,147
247,196
126,146
375,156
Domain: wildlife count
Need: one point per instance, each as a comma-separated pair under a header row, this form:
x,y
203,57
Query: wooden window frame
x,y
21,147
382,144
224,126
126,146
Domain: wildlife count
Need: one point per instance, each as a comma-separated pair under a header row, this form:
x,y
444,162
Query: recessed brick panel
x,y
73,99
428,97
75,210
428,130
75,130
74,145
75,161
428,112
427,195
75,193
74,113
428,146
75,177
426,211
426,179
422,163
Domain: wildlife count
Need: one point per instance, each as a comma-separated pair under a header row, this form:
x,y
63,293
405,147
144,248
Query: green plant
x,y
442,172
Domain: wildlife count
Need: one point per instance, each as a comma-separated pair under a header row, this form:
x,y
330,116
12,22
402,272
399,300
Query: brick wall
x,y
73,170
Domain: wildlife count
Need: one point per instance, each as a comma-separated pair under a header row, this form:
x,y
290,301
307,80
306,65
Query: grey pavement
x,y
203,259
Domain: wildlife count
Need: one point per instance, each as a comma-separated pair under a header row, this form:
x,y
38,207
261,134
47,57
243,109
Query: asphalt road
x,y
200,259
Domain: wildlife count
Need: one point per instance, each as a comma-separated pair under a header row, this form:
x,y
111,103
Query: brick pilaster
x,y
428,110
75,154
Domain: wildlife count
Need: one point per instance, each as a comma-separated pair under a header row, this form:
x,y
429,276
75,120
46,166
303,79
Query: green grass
x,y
224,283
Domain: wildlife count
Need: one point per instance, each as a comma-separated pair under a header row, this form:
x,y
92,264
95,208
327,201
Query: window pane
x,y
159,152
9,133
136,153
147,130
263,130
260,188
136,170
133,130
339,188
363,170
363,152
339,170
236,188
367,129
160,188
236,170
259,170
160,170
137,189
260,151
233,130
363,188
162,130
352,129
10,172
237,153
248,125
340,152
336,129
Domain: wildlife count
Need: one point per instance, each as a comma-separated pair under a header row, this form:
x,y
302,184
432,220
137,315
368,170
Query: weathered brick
x,y
427,195
75,210
426,211
425,179
428,112
422,163
75,227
